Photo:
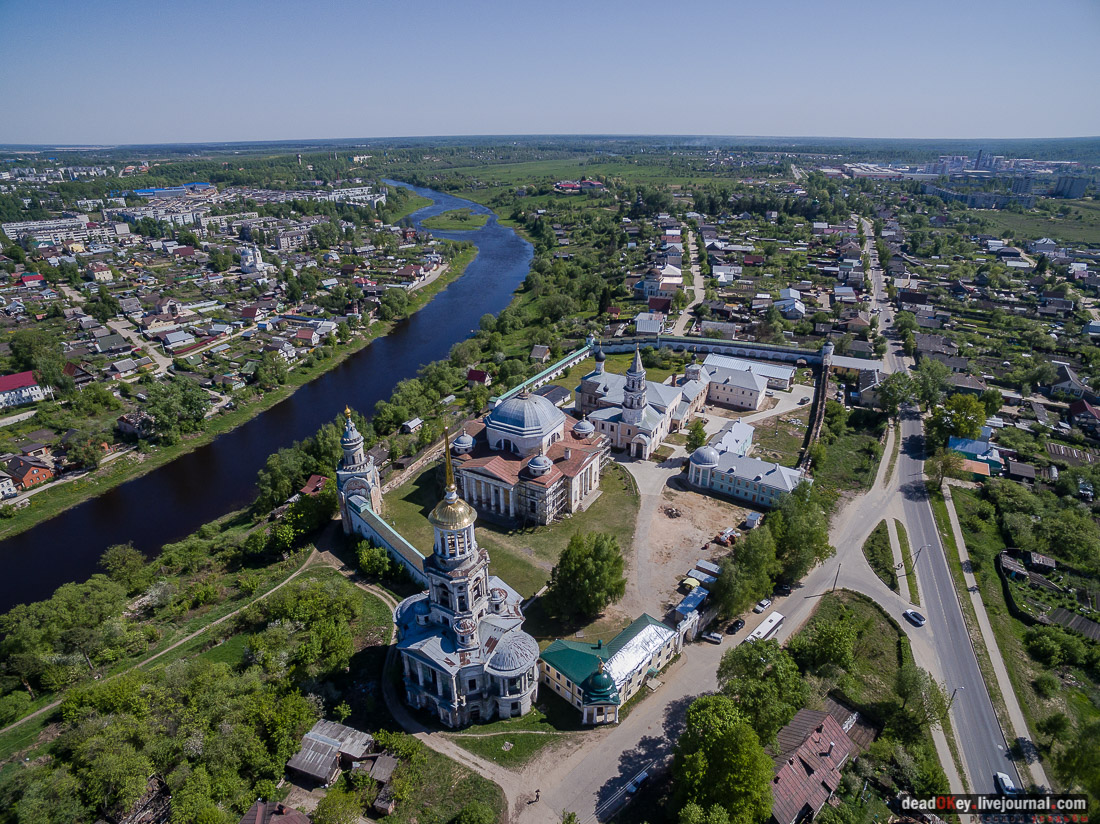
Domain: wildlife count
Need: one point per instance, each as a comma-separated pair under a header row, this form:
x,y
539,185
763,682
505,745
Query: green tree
x,y
923,698
895,390
748,574
960,416
930,381
801,532
692,813
587,577
339,806
992,401
1055,726
374,561
126,566
905,323
764,680
475,812
942,464
697,436
719,761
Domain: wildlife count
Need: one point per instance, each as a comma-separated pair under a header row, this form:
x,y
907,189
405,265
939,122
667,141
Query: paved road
x,y
977,729
697,287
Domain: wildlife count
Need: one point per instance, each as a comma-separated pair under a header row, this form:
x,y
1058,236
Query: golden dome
x,y
452,514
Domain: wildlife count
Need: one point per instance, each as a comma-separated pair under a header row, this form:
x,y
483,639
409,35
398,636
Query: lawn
x,y
446,788
880,556
1082,225
456,220
984,542
851,460
523,556
907,560
780,438
524,746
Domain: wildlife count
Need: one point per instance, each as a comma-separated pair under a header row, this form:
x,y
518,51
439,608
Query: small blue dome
x,y
584,429
516,653
600,356
705,456
540,465
463,442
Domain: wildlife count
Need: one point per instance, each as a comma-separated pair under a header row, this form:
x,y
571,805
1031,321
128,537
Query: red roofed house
x,y
314,485
272,812
663,305
32,279
475,377
28,472
20,388
809,754
1084,415
307,336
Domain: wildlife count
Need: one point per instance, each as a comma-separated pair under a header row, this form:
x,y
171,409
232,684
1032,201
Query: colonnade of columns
x,y
480,492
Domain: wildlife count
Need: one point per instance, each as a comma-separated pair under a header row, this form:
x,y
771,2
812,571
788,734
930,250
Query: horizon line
x,y
11,146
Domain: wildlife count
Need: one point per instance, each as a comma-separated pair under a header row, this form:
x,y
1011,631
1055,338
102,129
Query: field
x,y
456,220
522,557
780,438
880,556
1081,226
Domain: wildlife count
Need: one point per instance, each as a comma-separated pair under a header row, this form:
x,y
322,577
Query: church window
x,y
472,686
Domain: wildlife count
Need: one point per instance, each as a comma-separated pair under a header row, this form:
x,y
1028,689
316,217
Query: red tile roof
x,y
17,381
511,468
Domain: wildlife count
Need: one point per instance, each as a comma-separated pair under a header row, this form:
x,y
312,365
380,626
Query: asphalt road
x,y
977,729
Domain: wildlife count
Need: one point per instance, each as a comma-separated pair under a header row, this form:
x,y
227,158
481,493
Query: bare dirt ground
x,y
675,544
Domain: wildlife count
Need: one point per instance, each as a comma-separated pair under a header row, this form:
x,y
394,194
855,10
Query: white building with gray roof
x,y
757,482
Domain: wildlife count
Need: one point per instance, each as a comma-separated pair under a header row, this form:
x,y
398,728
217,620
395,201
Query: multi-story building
x,y
463,650
529,462
757,482
19,389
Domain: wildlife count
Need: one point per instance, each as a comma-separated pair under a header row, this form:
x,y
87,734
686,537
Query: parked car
x,y
1005,785
915,618
803,401
735,627
783,589
763,605
713,637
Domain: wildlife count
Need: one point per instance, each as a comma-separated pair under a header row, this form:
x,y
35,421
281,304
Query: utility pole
x,y
837,578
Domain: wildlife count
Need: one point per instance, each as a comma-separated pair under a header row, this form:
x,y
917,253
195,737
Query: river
x,y
172,501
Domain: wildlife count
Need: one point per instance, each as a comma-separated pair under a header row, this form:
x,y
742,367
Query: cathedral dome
x,y
540,465
599,688
526,416
516,653
705,456
452,514
463,443
584,429
600,356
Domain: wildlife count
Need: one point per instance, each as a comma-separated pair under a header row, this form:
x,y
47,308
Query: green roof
x,y
577,661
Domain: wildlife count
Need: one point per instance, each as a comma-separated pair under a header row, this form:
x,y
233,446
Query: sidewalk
x,y
1004,683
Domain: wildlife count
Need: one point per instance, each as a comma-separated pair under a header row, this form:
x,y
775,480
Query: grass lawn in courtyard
x,y
521,556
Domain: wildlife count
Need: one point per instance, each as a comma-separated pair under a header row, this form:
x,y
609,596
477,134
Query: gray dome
x,y
530,415
584,428
463,442
540,465
600,356
516,653
705,456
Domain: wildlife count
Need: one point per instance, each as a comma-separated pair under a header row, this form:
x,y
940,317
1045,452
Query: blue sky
x,y
120,71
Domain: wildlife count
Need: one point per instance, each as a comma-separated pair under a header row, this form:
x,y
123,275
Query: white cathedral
x,y
464,653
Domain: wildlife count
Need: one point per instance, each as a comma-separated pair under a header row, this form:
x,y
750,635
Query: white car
x,y
1005,785
763,605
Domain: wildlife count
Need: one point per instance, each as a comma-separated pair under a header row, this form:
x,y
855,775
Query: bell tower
x,y
634,400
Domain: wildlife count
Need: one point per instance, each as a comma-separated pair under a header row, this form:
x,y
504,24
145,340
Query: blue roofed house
x,y
980,451
758,482
600,678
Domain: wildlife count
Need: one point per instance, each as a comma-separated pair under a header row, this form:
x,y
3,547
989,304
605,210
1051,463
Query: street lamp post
x,y
951,703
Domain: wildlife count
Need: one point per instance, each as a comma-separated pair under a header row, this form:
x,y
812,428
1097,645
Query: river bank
x,y
170,495
55,500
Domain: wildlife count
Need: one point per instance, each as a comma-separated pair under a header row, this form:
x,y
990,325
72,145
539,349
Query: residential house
x,y
273,812
327,749
476,377
29,472
809,754
1068,383
979,451
540,353
19,389
1085,416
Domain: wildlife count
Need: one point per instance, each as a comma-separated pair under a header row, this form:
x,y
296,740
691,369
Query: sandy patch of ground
x,y
678,542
